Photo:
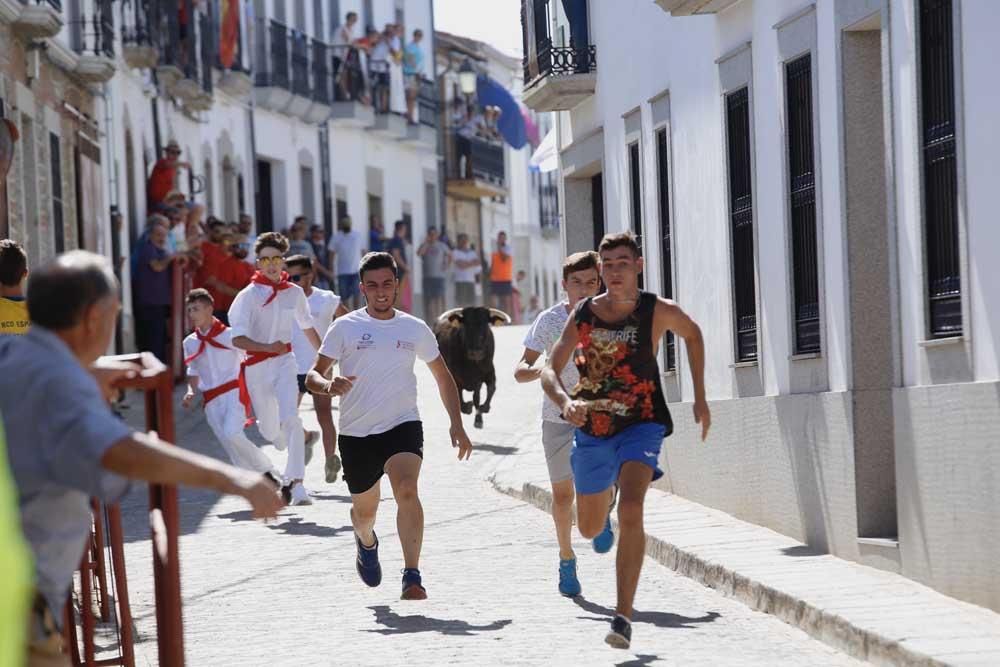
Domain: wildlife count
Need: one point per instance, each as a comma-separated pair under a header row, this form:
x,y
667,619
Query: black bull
x,y
466,342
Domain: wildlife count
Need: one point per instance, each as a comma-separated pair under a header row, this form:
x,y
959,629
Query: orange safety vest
x,y
502,270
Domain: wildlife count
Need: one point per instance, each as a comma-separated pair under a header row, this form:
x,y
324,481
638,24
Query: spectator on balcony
x,y
151,290
345,251
163,178
378,69
413,66
65,445
343,42
502,276
436,258
467,269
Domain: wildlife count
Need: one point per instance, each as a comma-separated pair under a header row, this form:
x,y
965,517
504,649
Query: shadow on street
x,y
660,619
396,624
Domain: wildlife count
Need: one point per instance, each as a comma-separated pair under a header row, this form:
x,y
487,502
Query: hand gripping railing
x,y
156,382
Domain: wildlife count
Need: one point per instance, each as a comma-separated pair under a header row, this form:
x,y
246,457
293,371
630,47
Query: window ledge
x,y
805,355
941,342
745,364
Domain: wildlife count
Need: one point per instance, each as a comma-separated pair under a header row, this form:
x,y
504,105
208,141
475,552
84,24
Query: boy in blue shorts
x,y
618,405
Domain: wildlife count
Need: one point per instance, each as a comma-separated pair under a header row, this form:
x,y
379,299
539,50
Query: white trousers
x,y
226,416
274,393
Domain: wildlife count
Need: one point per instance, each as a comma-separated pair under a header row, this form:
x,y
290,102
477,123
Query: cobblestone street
x,y
287,593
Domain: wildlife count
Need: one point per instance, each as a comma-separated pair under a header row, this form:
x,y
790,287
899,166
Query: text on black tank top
x,y
619,375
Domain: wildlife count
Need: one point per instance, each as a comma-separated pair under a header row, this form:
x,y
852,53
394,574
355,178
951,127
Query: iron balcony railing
x,y
546,59
275,69
299,49
477,158
321,79
427,103
166,31
138,21
55,4
93,34
209,47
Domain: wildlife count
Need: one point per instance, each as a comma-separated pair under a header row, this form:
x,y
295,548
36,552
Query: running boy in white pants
x,y
580,280
213,367
262,317
324,306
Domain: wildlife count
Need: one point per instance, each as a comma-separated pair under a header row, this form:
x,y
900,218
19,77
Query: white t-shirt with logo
x,y
542,337
323,305
381,354
465,275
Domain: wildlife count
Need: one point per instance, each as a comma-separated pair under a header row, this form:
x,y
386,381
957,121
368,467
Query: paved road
x,y
287,593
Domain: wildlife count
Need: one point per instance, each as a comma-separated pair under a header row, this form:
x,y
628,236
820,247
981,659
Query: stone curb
x,y
858,642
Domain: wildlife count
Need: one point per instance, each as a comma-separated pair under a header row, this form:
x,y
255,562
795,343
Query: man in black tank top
x,y
618,405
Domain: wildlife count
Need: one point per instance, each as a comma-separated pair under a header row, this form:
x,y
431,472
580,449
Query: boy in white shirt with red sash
x,y
262,317
213,367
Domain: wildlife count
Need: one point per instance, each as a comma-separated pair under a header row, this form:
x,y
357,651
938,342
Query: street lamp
x,y
467,78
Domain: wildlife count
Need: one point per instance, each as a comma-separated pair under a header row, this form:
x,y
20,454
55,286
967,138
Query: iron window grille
x,y
635,191
666,250
802,196
940,195
741,220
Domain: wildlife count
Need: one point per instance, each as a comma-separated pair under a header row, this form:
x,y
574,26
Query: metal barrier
x,y
156,381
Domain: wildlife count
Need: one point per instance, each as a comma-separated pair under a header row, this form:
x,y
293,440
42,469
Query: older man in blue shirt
x,y
65,445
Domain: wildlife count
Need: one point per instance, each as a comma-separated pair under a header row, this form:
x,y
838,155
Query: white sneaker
x,y
299,495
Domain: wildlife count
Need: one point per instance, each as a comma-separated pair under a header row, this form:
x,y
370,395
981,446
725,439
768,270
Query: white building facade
x,y
810,181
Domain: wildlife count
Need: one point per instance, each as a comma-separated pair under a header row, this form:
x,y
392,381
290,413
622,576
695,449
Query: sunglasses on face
x,y
271,260
297,278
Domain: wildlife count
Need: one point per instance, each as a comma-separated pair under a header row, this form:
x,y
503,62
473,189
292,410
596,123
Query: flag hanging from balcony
x,y
510,125
229,32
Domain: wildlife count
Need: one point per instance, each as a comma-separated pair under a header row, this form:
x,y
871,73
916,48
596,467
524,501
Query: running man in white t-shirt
x,y
581,279
380,427
324,306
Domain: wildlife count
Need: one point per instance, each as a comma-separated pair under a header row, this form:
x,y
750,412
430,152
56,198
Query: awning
x,y
545,158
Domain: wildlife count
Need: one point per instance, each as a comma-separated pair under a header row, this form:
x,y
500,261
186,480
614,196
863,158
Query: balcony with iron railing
x,y
352,102
422,130
271,66
556,77
476,166
92,36
320,81
140,47
232,56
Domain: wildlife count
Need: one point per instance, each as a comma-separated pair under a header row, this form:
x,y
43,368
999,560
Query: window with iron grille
x,y
597,206
666,254
635,186
55,175
940,196
741,223
802,195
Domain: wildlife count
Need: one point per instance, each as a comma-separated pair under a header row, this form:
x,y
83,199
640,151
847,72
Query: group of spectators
x,y
378,68
465,265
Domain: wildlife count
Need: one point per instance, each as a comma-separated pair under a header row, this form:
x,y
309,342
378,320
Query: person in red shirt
x,y
163,179
222,274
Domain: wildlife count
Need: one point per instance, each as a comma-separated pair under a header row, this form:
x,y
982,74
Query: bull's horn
x,y
448,314
498,314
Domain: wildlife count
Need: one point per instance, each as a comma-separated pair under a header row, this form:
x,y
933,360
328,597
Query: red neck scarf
x,y
260,279
208,339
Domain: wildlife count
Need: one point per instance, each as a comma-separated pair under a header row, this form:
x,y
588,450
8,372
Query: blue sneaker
x,y
413,588
368,566
605,540
569,585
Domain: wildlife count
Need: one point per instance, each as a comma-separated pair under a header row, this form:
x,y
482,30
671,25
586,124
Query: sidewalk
x,y
868,613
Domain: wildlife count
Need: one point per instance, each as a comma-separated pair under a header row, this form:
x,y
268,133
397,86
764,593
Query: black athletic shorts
x,y
302,384
364,458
